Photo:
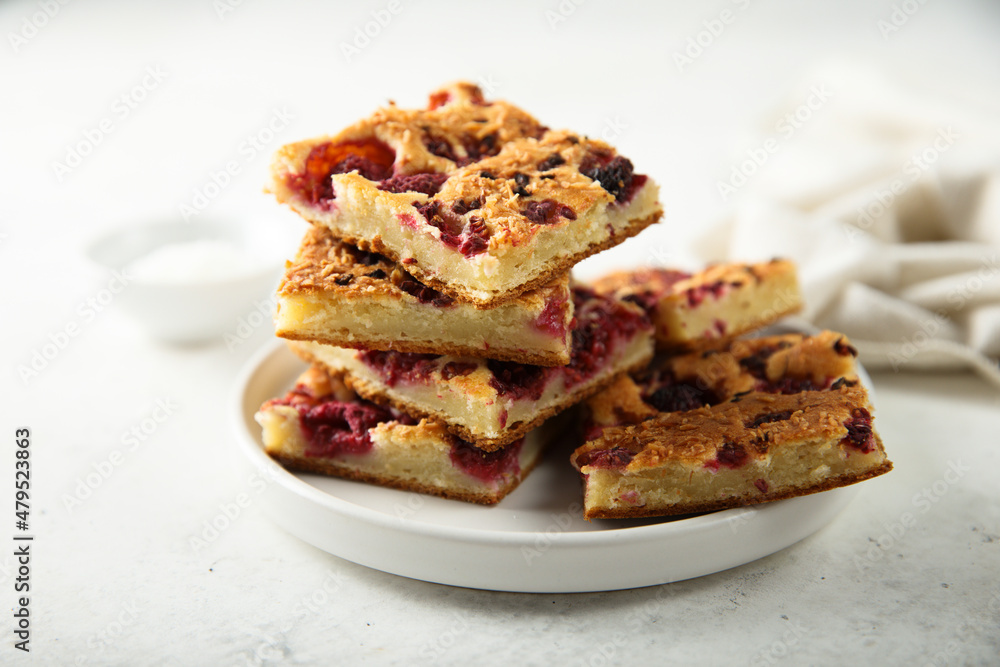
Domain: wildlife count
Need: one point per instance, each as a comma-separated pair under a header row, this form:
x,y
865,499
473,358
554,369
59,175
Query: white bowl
x,y
194,310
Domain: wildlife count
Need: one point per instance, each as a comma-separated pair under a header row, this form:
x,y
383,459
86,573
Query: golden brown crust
x,y
695,436
721,370
736,298
737,501
303,464
373,392
508,183
557,267
344,339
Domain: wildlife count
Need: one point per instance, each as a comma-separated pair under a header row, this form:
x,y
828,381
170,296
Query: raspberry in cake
x,y
721,302
336,294
492,403
321,427
475,198
782,364
753,449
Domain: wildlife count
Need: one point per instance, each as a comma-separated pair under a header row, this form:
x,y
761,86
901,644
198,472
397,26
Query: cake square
x,y
335,294
745,422
322,427
721,302
474,198
492,403
754,449
720,372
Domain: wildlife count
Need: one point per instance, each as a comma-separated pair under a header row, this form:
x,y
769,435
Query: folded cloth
x,y
890,203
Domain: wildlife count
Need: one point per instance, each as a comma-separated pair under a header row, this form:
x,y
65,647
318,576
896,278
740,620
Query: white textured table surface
x,y
908,574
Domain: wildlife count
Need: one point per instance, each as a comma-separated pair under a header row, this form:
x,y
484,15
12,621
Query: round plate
x,y
535,540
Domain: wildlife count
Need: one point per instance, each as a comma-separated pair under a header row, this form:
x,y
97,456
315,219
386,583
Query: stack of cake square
x,y
432,293
432,298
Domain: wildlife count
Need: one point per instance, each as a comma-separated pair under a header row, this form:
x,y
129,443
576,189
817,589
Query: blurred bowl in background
x,y
190,282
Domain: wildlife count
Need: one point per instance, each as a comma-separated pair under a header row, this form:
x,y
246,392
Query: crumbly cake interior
x,y
474,198
780,364
336,294
756,448
721,302
491,403
316,429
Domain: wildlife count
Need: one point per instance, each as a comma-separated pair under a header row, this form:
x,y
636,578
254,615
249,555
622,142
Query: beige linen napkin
x,y
890,203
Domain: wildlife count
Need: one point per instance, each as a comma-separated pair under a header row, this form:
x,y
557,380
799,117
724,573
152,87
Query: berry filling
x,y
843,348
518,380
460,368
333,428
425,294
551,162
547,212
615,174
486,466
761,485
731,454
369,157
602,324
469,239
552,319
859,431
769,418
697,294
678,396
429,184
615,458
400,367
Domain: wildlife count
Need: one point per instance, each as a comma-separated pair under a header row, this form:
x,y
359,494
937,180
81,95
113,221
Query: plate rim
x,y
252,448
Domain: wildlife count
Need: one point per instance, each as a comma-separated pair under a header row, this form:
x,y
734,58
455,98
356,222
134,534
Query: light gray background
x,y
116,580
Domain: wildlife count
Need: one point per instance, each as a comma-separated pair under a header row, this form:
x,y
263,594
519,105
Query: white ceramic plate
x,y
535,540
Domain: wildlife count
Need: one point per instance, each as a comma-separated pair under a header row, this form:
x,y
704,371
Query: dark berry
x,y
551,162
547,212
843,348
615,176
377,274
460,368
461,207
616,458
859,431
521,182
429,184
486,466
344,280
768,418
732,455
680,396
425,294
